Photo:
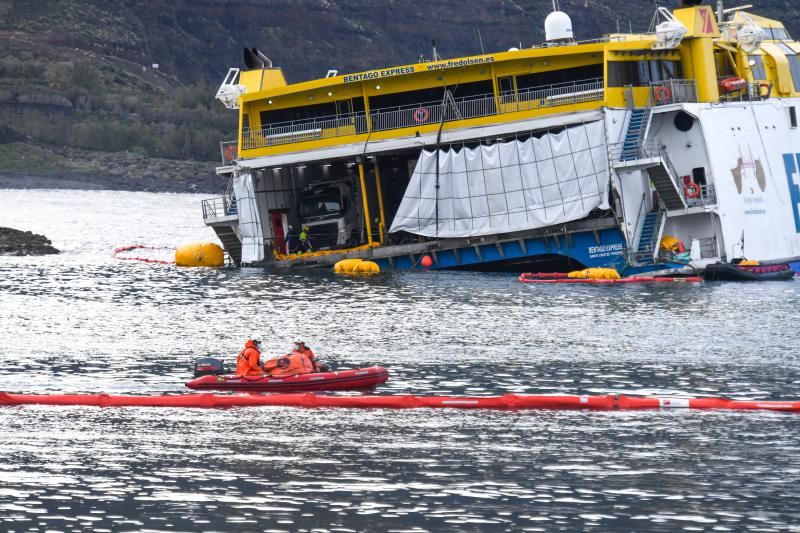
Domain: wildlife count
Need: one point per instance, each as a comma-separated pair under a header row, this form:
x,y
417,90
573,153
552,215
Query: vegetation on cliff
x,y
79,80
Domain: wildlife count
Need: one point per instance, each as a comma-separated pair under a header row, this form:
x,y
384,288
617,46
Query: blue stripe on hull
x,y
583,249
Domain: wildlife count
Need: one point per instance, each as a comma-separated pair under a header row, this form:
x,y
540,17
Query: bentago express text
x,y
399,71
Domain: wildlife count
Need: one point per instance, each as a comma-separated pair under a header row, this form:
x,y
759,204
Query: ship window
x,y
245,122
506,84
622,73
321,204
343,107
506,88
472,91
641,73
724,67
793,116
794,64
434,95
757,68
311,113
777,34
409,98
298,115
538,80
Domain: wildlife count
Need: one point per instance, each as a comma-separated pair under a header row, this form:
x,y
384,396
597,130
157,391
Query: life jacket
x,y
306,351
248,362
289,365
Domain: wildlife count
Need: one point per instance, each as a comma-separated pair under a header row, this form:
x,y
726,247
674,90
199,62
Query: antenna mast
x,y
436,56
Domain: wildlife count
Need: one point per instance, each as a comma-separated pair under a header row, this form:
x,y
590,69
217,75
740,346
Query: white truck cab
x,y
330,213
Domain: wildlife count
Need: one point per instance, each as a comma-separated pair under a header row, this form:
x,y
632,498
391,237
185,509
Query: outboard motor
x,y
208,366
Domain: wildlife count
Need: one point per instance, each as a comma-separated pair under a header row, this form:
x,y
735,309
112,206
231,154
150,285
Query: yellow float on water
x,y
356,266
200,254
594,273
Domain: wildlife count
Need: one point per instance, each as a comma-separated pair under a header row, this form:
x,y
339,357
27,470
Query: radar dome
x,y
558,27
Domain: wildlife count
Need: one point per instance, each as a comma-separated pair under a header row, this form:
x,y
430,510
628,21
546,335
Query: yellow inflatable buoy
x,y
594,273
356,266
367,267
200,254
749,262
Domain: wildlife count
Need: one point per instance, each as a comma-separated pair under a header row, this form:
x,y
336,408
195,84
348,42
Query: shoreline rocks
x,y
17,242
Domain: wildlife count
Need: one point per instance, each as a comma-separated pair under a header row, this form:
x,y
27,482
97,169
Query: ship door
x,y
279,222
508,93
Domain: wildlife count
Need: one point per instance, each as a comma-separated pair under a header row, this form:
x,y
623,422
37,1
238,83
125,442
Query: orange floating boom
x,y
507,401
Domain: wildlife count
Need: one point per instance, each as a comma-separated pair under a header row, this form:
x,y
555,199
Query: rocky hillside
x,y
136,79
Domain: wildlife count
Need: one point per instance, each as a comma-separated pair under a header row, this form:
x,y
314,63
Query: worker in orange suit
x,y
248,363
300,347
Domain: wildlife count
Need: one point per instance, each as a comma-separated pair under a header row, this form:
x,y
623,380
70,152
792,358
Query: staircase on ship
x,y
637,152
222,214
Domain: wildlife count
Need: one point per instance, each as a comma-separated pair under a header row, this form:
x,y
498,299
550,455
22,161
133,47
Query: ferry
x,y
566,155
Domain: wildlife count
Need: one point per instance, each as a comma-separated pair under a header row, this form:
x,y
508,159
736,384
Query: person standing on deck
x,y
305,243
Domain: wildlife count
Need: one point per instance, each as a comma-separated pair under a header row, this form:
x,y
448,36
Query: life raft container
x,y
732,84
354,379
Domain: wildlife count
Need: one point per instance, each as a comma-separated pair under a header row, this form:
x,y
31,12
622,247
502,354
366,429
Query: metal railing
x,y
708,196
754,91
223,206
642,209
425,113
673,92
631,151
647,149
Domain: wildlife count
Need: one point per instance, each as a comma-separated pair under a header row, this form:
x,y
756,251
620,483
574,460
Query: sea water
x,y
84,322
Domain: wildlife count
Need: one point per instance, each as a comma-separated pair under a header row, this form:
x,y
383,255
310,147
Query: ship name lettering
x,y
375,74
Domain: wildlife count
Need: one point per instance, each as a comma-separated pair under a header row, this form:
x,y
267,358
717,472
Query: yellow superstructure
x,y
403,101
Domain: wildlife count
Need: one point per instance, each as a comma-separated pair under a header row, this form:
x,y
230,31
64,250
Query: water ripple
x,y
81,322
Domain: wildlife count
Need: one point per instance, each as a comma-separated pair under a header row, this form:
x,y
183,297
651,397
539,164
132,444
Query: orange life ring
x,y
231,153
691,190
662,93
421,115
767,86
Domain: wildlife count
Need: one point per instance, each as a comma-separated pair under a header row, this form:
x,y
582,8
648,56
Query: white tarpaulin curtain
x,y
506,187
249,219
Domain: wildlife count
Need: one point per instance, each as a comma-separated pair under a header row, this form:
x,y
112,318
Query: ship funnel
x,y
251,60
558,27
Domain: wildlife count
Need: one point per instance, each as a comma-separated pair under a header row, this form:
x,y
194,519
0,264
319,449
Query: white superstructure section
x,y
744,158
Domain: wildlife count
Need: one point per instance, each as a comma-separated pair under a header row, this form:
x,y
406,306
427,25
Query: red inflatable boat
x,y
355,379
